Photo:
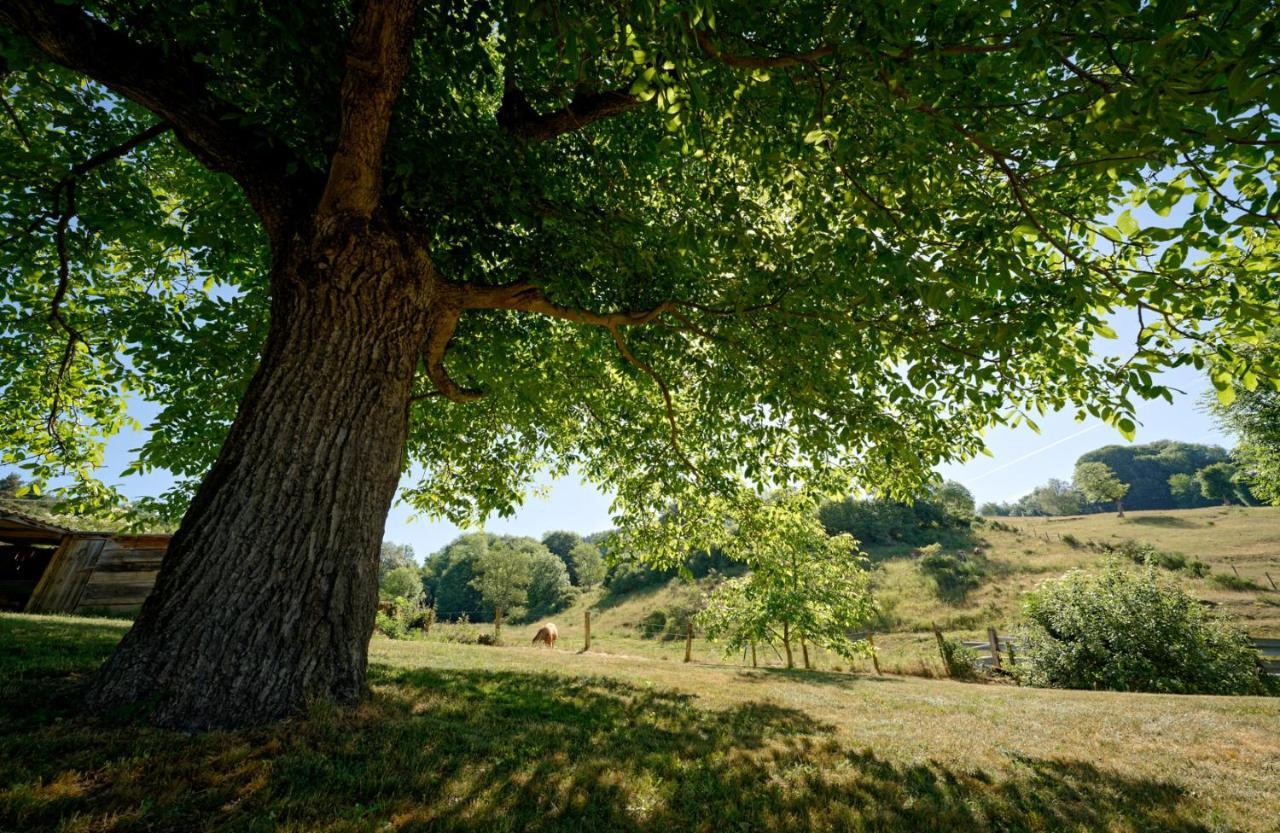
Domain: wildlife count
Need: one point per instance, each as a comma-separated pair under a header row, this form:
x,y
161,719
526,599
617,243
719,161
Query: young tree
x,y
1098,483
1218,482
1184,488
803,586
502,577
587,565
336,242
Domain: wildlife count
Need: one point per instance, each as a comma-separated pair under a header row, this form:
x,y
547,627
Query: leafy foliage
x,y
1254,417
586,565
953,575
871,521
955,499
393,556
1127,630
1218,482
1097,482
803,584
521,576
1147,469
877,225
402,582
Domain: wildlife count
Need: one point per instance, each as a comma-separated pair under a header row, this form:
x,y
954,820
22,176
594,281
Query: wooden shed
x,y
46,568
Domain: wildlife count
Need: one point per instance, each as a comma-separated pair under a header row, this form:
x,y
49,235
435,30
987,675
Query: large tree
x,y
670,245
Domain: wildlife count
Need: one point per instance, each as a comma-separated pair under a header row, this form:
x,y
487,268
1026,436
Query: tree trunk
x,y
786,643
1119,509
267,596
497,625
804,651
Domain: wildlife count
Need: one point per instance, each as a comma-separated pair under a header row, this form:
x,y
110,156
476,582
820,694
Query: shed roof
x,y
19,527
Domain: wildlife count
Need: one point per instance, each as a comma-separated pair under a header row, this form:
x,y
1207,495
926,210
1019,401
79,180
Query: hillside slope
x,y
1016,554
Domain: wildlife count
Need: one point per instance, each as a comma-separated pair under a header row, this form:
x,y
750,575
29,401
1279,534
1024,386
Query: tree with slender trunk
x,y
336,242
1098,483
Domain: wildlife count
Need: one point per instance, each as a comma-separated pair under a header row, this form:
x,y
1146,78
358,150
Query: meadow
x,y
1017,554
472,738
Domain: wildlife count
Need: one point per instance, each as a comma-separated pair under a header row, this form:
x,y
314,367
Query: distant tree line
x,y
1162,475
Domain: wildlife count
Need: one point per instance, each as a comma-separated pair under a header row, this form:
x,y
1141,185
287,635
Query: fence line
x,y
997,646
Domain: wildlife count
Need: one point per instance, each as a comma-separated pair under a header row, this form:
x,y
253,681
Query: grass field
x,y
469,738
1015,562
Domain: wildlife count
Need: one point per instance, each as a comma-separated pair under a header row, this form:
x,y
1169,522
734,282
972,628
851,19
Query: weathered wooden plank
x,y
108,577
98,593
64,579
1261,642
112,552
139,566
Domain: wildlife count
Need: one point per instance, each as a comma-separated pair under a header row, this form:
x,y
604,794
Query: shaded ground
x,y
474,739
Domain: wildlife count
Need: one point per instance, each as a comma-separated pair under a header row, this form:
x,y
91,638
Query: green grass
x,y
468,738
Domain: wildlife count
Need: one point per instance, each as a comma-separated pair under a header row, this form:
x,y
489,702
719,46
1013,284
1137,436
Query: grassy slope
x,y
1015,562
461,737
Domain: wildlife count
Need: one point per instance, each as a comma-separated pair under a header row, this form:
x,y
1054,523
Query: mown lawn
x,y
461,737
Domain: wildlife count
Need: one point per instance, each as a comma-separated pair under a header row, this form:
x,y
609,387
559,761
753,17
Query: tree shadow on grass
x,y
1166,521
485,751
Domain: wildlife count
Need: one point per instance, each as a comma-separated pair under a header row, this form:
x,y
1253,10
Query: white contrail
x,y
1031,454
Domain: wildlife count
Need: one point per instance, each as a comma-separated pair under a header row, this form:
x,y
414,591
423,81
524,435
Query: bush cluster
x,y
1129,630
953,575
671,621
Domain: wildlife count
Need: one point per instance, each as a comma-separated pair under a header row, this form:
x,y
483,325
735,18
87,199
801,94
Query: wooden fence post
x,y
1013,660
688,643
995,645
875,660
586,629
942,650
1234,570
1273,581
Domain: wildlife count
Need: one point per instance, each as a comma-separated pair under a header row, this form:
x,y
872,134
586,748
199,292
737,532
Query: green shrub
x,y
953,575
653,624
1072,541
393,622
961,661
1230,581
1127,630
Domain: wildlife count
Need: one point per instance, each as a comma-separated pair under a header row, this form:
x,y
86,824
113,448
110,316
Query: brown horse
x,y
547,635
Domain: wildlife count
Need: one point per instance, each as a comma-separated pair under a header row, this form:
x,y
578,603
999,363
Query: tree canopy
x,y
690,249
1097,482
780,241
1254,417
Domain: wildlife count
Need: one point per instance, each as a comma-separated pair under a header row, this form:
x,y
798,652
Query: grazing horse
x,y
547,635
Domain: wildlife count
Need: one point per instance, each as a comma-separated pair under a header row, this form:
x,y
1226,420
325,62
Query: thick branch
x,y
518,117
527,297
442,330
170,85
377,59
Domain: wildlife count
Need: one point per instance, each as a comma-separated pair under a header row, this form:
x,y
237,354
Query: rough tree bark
x,y
268,594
